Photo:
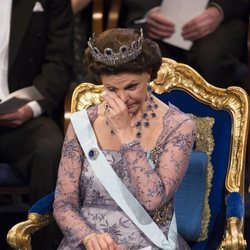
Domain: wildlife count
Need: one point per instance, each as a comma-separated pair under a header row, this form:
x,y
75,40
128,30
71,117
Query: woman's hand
x,y
158,26
117,116
202,25
100,242
17,118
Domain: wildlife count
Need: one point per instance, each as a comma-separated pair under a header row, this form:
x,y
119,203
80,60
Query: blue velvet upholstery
x,y
234,205
222,136
192,189
44,205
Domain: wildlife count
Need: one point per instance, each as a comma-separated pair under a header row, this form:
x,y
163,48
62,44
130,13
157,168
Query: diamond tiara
x,y
110,58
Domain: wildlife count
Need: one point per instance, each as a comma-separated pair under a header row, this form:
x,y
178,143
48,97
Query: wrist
x,y
125,136
218,9
129,145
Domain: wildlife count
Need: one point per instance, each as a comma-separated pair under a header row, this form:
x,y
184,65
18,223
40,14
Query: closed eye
x,y
111,89
131,86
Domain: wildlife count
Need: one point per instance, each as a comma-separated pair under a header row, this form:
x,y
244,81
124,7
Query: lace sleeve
x,y
154,186
67,203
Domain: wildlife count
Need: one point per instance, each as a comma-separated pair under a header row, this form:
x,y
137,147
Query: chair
x,y
216,204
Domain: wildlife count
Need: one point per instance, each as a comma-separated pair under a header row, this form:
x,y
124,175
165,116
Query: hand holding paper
x,y
19,98
180,12
203,24
14,110
16,118
158,26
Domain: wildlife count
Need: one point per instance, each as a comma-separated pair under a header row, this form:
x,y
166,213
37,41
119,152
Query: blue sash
x,y
115,187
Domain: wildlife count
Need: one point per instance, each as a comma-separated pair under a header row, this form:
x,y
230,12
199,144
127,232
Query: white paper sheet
x,y
19,98
180,12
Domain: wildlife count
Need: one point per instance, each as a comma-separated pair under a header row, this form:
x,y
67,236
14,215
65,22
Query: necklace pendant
x,y
153,115
138,124
146,124
138,135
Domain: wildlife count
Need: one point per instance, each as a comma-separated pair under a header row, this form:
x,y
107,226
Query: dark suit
x,y
219,57
40,54
40,51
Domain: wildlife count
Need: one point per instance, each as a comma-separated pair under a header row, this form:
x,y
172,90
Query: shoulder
x,y
179,119
92,113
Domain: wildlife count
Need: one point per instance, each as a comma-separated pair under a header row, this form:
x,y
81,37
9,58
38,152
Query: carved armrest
x,y
233,237
19,236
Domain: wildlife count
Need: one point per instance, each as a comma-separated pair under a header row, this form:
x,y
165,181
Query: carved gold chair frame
x,y
173,75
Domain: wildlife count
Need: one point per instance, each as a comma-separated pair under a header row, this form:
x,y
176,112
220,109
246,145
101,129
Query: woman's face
x,y
130,88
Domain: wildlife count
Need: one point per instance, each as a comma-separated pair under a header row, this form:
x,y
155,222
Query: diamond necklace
x,y
145,119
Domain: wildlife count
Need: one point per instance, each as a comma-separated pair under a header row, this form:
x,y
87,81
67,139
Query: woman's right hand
x,y
158,26
100,241
117,116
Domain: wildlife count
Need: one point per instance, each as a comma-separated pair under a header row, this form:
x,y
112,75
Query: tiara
x,y
124,55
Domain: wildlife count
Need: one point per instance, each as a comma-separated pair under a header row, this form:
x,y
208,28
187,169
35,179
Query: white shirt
x,y
5,18
5,15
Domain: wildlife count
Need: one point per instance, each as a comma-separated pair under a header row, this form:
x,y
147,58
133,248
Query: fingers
x,y
100,242
91,242
113,102
159,26
110,242
201,25
117,116
16,118
9,120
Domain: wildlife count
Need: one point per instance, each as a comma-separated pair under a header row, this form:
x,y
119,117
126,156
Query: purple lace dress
x,y
82,205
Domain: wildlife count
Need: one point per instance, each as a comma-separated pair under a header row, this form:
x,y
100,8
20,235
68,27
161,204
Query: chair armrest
x,y
19,236
233,236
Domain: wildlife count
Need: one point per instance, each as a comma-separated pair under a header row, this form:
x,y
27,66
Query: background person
x,y
219,35
35,50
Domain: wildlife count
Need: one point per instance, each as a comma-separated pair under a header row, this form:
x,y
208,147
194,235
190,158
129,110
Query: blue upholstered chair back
x,y
219,159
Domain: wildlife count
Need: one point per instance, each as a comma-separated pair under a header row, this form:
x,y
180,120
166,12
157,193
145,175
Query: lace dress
x,y
82,205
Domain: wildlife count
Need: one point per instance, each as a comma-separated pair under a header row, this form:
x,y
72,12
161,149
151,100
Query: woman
x,y
146,142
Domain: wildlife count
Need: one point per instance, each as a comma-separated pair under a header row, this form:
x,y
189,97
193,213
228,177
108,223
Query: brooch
x,y
93,154
162,214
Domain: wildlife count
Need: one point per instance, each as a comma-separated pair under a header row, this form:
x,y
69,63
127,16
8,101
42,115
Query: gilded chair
x,y
210,201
